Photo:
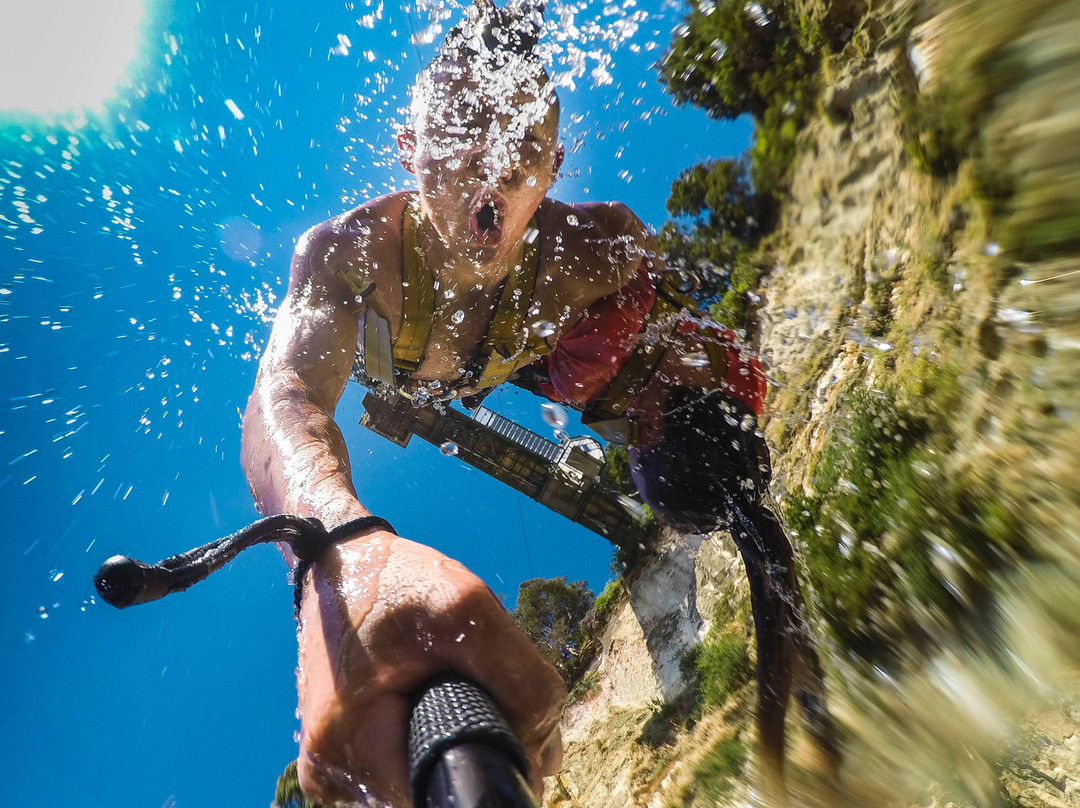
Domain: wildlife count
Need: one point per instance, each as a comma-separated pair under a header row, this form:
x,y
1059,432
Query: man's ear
x,y
406,140
556,160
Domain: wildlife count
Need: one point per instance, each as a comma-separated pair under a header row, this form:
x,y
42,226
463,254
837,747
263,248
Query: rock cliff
x,y
924,270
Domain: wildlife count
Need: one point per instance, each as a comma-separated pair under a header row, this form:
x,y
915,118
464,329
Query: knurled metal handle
x,y
452,711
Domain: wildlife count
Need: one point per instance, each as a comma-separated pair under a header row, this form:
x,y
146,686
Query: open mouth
x,y
485,224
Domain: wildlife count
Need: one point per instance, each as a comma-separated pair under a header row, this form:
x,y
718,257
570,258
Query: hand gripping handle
x,y
462,753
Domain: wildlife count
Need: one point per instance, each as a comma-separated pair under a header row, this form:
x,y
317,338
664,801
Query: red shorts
x,y
591,353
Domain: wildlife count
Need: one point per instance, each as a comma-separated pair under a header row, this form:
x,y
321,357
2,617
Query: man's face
x,y
485,157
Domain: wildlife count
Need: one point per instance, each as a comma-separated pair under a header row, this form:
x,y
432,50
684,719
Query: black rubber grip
x,y
451,712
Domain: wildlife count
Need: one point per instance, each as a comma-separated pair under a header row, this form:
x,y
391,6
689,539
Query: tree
x,y
732,57
719,219
549,612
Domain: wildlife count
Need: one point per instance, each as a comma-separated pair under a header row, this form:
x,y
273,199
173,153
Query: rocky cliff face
x,y
939,281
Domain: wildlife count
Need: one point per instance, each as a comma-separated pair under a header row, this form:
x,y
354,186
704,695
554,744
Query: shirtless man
x,y
380,614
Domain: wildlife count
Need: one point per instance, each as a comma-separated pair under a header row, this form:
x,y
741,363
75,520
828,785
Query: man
x,y
475,279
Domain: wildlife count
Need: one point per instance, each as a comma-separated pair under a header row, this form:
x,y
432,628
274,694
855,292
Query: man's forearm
x,y
294,455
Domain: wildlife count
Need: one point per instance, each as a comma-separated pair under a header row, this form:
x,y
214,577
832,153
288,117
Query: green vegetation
x,y
733,58
719,221
288,793
565,624
606,600
715,773
936,137
616,469
894,547
721,664
550,612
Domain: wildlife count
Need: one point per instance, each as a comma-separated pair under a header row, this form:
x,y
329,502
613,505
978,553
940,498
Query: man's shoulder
x,y
357,248
611,219
602,241
366,226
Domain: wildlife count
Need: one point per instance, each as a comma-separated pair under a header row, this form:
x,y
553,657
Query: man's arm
x,y
380,615
292,451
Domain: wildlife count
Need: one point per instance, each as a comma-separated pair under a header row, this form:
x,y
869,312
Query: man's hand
x,y
380,616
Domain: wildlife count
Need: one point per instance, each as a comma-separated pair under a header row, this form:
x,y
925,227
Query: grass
x,y
715,773
895,547
724,666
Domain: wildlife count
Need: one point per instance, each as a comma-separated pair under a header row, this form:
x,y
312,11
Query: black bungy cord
x,y
123,581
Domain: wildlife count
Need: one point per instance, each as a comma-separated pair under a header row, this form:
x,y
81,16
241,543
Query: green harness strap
x,y
509,335
417,293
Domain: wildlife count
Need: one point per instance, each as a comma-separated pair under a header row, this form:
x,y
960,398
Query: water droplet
x,y
43,612
458,317
560,436
572,220
543,328
993,248
342,46
29,638
531,182
450,449
56,575
696,359
554,415
531,235
758,14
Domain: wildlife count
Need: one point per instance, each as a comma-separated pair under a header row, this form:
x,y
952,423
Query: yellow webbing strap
x,y
509,335
378,350
417,292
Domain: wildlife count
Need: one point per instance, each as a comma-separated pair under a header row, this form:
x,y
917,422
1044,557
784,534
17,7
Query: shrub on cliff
x,y
549,612
733,58
719,219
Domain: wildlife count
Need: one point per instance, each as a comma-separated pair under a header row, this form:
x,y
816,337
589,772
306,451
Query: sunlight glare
x,y
66,54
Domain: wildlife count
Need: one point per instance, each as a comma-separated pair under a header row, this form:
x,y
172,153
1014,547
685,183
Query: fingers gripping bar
x,y
462,753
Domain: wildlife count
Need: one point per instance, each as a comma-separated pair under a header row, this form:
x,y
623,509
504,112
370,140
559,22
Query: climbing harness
x,y
387,364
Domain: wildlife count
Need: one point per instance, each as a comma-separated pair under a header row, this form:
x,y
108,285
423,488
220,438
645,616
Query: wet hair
x,y
497,47
495,34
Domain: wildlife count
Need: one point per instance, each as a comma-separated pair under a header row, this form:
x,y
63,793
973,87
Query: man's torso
x,y
584,252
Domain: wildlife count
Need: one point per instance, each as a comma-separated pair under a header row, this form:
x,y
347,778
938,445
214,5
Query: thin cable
x,y
517,495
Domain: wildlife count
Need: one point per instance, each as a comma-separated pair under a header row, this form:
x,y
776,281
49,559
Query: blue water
x,y
141,257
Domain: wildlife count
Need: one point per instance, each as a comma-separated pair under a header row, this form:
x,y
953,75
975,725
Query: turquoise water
x,y
142,253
